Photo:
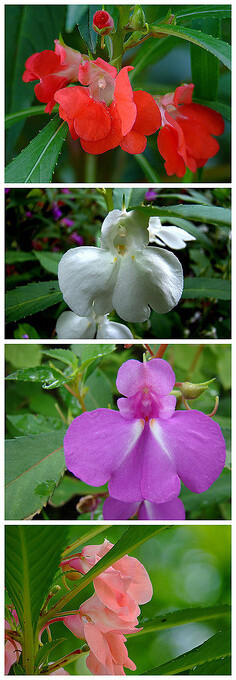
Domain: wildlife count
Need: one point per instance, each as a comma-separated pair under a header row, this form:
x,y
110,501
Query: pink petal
x,y
134,376
171,510
113,509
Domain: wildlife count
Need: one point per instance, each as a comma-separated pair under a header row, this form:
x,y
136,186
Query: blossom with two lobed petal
x,y
146,448
124,274
186,137
55,70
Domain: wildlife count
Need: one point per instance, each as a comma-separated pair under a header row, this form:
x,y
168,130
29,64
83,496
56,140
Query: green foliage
x,y
37,161
30,299
218,647
85,26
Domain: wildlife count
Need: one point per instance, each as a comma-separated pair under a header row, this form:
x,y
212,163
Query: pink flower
x,y
113,509
103,22
12,648
54,70
146,448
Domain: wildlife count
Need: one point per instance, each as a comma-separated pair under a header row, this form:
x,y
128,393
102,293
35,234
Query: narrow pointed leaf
x,y
184,616
37,161
30,299
207,288
217,647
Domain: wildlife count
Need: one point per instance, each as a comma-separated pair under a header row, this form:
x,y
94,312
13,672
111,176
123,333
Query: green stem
x,y
90,167
13,118
109,199
86,537
28,644
118,39
148,171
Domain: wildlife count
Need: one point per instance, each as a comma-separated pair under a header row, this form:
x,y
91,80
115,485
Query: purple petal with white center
x,y
96,442
171,510
197,446
134,375
147,472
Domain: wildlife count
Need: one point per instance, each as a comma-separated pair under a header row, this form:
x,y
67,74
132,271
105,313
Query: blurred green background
x,y
189,567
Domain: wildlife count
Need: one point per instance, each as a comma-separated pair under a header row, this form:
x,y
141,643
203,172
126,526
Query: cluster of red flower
x,y
104,112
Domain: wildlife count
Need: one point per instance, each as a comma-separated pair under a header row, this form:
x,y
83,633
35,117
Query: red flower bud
x,y
103,22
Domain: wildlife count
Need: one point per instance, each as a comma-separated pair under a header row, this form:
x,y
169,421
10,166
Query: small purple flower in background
x,y
25,336
66,222
150,195
7,191
28,213
78,239
146,448
56,212
65,191
113,509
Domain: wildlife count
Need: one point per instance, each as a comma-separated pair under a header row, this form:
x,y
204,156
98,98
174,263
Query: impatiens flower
x,y
66,222
173,237
76,237
146,448
186,138
70,325
54,70
105,112
56,212
12,648
150,195
123,274
113,509
103,22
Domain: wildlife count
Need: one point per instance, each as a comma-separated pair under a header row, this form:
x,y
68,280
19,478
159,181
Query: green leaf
x,y
48,377
183,616
87,353
64,355
149,172
28,423
18,116
217,647
207,288
37,161
218,48
69,487
208,214
34,297
219,492
73,16
86,27
204,66
45,651
32,559
216,667
191,12
100,391
48,260
13,256
34,466
86,536
19,357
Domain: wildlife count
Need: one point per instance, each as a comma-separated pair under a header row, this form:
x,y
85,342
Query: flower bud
x,y
103,22
137,20
191,390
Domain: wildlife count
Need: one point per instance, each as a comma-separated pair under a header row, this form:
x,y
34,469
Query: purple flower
x,y
146,447
7,191
56,212
25,336
65,191
78,239
150,195
113,509
28,213
66,222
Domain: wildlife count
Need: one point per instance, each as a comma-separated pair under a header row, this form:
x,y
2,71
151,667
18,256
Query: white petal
x,y
69,326
87,274
162,276
124,228
173,237
113,331
130,298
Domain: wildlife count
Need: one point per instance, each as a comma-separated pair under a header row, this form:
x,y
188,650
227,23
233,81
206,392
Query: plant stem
x,y
195,360
161,351
149,172
118,38
109,199
86,537
90,167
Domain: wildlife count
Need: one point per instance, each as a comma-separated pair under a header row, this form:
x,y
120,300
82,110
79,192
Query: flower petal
x,y
113,330
96,442
113,509
69,325
123,96
198,448
163,278
171,510
134,375
87,274
130,298
148,118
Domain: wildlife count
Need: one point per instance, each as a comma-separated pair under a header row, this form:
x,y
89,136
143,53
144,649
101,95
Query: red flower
x,y
107,112
103,22
54,70
185,140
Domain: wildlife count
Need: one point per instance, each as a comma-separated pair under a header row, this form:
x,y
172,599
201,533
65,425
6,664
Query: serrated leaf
x,y
65,355
208,214
207,288
217,647
37,161
85,27
48,377
34,466
183,616
48,260
215,46
88,353
32,559
30,299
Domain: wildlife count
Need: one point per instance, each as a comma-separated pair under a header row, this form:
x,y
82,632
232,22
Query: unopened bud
x,y
168,21
137,20
191,390
103,22
84,648
55,589
88,503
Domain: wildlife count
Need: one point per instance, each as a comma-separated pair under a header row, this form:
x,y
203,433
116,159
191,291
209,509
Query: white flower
x,y
173,237
124,274
71,326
